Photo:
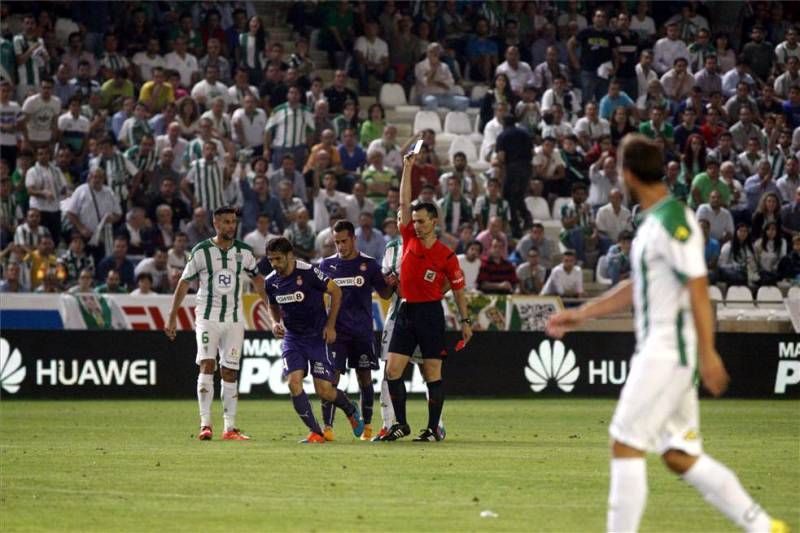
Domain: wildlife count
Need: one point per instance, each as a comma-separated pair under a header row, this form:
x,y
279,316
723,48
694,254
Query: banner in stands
x,y
149,313
126,364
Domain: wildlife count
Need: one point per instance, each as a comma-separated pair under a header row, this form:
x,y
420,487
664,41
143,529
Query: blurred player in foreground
x,y
298,316
357,274
658,407
222,265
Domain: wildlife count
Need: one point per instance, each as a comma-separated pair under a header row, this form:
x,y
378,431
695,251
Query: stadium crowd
x,y
123,125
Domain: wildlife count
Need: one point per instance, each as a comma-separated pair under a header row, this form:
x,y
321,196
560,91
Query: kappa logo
x,y
12,373
551,363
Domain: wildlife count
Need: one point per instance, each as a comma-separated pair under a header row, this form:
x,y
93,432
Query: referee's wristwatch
x,y
467,321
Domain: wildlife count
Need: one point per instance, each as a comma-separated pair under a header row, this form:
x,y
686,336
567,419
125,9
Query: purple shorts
x,y
354,353
297,354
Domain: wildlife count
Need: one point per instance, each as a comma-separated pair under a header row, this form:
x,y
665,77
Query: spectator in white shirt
x,y
46,187
719,218
173,139
613,218
206,90
145,61
519,73
249,123
591,126
603,175
566,279
435,82
157,267
493,128
470,263
645,72
668,49
91,203
329,200
259,237
183,62
371,57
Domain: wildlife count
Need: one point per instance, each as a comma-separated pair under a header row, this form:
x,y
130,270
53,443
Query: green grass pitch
x,y
540,465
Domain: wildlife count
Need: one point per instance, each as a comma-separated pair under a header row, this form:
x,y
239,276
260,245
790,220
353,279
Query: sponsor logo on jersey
x,y
12,372
352,281
681,233
299,281
295,297
363,267
429,276
552,363
224,281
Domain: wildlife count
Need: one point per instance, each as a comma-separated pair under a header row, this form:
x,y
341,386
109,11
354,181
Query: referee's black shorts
x,y
419,324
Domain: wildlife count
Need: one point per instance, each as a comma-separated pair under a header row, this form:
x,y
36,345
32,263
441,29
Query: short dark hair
x,y
642,157
280,245
569,253
427,206
625,236
477,243
144,275
344,225
578,186
226,210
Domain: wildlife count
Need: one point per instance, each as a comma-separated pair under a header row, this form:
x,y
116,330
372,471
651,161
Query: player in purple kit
x,y
298,316
357,274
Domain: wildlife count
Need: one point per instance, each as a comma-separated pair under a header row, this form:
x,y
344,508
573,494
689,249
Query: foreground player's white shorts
x,y
658,408
225,338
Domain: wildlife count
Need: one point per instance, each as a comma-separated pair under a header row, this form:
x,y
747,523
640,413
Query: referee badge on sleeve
x,y
429,276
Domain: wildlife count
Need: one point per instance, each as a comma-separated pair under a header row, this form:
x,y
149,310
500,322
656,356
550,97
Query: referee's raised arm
x,y
404,214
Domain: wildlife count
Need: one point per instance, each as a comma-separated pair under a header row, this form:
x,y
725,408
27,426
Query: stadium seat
x,y
714,294
392,95
601,274
794,293
770,298
478,92
462,143
739,297
558,204
427,119
457,123
538,208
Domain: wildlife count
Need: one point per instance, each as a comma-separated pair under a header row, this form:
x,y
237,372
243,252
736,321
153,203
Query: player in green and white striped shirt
x,y
221,265
658,408
206,177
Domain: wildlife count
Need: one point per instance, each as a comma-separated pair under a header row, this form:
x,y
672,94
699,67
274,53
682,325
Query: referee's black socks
x,y
397,391
435,403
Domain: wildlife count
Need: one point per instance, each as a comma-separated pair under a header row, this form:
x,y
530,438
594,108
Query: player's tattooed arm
x,y
177,300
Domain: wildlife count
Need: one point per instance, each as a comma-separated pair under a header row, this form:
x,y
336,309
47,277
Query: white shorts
x,y
225,338
658,408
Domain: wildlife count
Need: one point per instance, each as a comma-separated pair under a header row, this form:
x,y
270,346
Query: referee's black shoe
x,y
428,435
397,431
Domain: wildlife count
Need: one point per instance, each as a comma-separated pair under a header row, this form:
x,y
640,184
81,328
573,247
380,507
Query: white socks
x,y
205,395
230,398
387,410
721,488
627,494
